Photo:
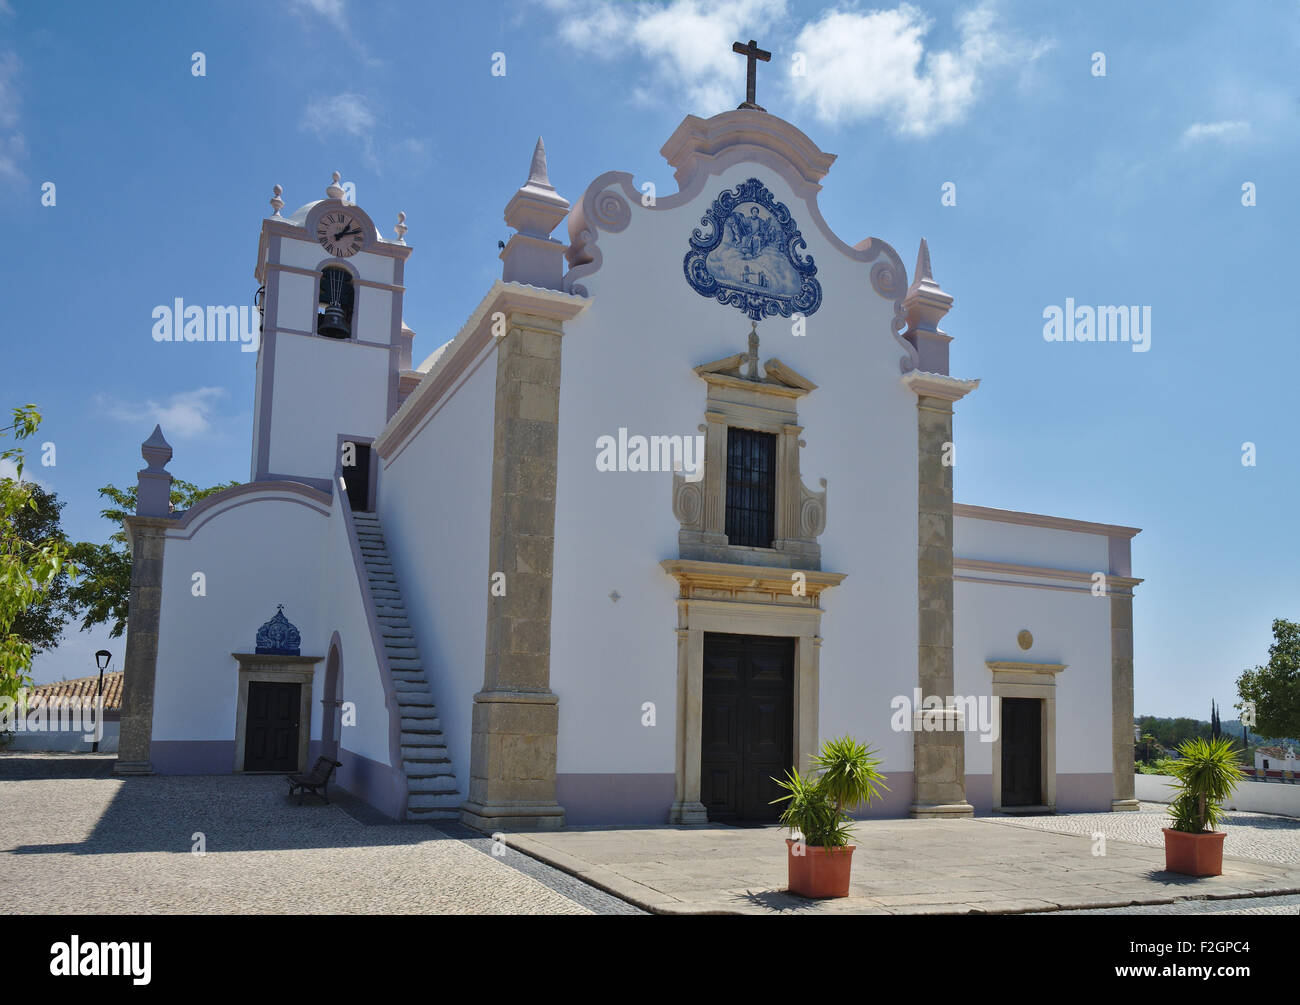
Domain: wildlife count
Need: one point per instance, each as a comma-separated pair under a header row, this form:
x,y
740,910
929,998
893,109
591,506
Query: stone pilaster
x,y
141,662
1121,699
940,756
516,716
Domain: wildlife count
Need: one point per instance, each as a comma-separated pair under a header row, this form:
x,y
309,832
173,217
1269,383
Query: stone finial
x,y
335,190
926,304
537,173
277,203
400,229
751,373
154,483
532,256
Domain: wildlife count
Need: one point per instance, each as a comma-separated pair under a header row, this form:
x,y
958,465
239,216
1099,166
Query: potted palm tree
x,y
1206,774
844,777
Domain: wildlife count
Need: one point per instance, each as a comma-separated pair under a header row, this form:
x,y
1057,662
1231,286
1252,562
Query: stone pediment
x,y
740,370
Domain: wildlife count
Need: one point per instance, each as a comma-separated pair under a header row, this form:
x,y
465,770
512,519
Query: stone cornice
x,y
1017,667
1041,520
692,575
1043,572
938,385
474,337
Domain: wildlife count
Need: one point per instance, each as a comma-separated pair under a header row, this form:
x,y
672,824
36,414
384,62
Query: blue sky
x,y
1122,189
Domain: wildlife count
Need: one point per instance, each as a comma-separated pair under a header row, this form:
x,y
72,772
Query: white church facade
x,y
672,506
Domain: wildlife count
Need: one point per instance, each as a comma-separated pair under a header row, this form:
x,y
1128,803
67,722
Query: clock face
x,y
340,233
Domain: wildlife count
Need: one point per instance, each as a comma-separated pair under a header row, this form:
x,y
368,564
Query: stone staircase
x,y
431,782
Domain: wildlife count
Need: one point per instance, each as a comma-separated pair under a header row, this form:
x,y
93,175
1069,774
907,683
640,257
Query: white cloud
x,y
333,11
348,112
13,149
13,146
1222,132
184,415
9,67
9,469
858,65
687,43
875,65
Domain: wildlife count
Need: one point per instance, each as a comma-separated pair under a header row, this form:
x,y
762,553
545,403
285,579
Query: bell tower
x,y
333,347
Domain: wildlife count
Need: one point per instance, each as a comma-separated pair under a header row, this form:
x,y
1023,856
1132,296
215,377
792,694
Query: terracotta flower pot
x,y
819,872
1194,854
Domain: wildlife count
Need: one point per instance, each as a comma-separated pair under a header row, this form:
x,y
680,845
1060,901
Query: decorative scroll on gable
x,y
739,396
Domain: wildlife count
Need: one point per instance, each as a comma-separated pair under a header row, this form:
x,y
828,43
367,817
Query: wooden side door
x,y
271,732
1022,752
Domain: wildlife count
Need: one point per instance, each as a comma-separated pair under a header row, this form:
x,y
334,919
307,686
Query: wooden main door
x,y
747,725
271,733
1022,752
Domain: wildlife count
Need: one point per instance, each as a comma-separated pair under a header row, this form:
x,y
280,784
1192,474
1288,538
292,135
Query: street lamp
x,y
101,660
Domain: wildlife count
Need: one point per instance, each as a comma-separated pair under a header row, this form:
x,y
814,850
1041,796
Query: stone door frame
x,y
741,600
275,669
1028,680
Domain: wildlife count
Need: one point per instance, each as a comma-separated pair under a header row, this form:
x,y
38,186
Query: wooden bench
x,y
315,781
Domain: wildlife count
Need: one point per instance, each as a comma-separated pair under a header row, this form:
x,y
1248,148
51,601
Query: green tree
x,y
27,567
1275,686
41,624
103,592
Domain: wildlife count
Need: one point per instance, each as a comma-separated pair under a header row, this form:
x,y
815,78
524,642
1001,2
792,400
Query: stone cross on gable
x,y
752,53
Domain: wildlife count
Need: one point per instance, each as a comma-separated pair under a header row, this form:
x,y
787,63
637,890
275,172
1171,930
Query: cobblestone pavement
x,y
1250,835
74,840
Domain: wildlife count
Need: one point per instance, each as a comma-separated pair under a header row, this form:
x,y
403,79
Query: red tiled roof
x,y
84,687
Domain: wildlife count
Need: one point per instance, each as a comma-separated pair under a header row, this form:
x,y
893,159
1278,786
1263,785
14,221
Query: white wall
x,y
628,362
256,551
1068,627
1020,544
435,504
323,387
1251,797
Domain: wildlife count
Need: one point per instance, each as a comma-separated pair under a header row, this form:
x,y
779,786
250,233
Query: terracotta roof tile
x,y
84,687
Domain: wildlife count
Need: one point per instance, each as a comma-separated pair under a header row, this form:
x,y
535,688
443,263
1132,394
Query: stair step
x,y
435,785
433,801
411,685
433,753
415,724
427,769
430,737
409,675
416,705
429,816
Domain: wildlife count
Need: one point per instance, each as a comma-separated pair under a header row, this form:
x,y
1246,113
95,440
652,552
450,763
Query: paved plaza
x,y
75,840
973,866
